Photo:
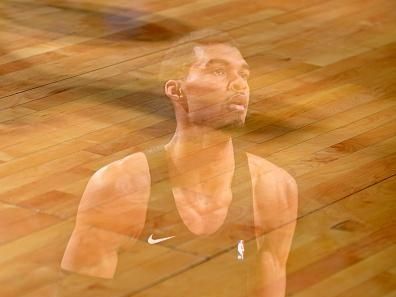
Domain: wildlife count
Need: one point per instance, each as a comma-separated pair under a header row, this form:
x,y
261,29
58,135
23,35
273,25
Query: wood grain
x,y
79,90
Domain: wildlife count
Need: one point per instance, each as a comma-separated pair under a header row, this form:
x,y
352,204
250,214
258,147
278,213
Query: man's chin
x,y
232,126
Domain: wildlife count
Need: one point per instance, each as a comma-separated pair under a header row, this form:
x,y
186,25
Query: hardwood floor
x,y
79,89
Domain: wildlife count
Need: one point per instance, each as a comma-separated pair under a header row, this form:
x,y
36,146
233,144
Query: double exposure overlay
x,y
198,195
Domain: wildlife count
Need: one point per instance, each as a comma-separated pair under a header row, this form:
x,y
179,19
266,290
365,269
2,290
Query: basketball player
x,y
198,194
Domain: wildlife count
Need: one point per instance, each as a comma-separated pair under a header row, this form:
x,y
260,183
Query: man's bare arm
x,y
112,211
277,218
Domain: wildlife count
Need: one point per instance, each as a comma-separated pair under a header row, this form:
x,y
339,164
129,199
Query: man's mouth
x,y
238,107
238,102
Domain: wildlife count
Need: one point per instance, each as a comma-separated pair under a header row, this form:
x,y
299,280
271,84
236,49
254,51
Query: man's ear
x,y
172,89
175,94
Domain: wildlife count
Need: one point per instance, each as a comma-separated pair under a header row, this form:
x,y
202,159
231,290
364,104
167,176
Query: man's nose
x,y
237,83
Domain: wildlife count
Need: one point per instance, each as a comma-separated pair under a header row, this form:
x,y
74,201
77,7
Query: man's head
x,y
206,80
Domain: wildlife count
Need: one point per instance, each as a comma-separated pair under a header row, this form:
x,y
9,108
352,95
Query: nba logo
x,y
240,249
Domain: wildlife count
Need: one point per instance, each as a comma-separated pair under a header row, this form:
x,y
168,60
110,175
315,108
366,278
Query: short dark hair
x,y
180,55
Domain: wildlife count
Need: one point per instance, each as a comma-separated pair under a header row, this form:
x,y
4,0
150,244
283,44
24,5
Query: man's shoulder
x,y
267,170
124,174
264,166
277,191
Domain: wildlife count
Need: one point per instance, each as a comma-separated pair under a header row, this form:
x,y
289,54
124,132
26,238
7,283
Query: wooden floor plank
x,y
362,271
79,90
378,285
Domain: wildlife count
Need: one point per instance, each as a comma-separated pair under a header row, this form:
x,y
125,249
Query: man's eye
x,y
245,75
219,71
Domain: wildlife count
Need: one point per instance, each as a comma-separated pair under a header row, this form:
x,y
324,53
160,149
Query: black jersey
x,y
221,264
168,260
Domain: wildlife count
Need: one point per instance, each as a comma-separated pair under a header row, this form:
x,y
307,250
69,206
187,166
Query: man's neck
x,y
199,155
198,139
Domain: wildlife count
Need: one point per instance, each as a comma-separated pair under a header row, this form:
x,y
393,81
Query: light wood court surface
x,y
78,90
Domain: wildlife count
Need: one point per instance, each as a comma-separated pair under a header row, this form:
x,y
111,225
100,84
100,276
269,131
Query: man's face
x,y
216,87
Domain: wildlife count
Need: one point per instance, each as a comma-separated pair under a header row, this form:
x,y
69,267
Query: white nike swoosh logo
x,y
151,240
